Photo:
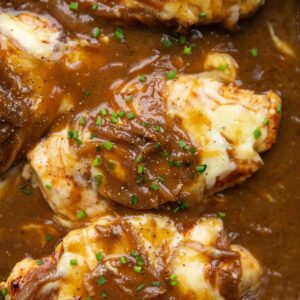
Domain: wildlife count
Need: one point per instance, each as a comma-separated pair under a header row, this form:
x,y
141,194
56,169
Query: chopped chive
x,y
103,111
139,158
137,269
39,262
153,187
145,124
78,141
123,260
4,291
130,115
257,133
96,32
187,50
279,108
157,128
133,200
156,283
81,214
95,6
171,163
173,280
98,148
181,143
142,78
139,260
203,15
101,280
119,34
164,154
48,186
182,39
121,114
73,6
134,253
177,209
166,42
175,163
70,134
222,67
161,179
266,122
157,146
139,179
99,256
221,214
193,150
140,287
98,179
140,169
81,121
99,121
171,75
186,148
88,298
97,162
114,118
104,295
108,145
73,262
76,134
182,205
201,169
253,52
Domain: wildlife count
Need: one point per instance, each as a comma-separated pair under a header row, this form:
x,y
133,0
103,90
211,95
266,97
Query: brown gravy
x,y
265,211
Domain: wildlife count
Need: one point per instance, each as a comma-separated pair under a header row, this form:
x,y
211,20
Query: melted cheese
x,y
221,119
31,34
185,255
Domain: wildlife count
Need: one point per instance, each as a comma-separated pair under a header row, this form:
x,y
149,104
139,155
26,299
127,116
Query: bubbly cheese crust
x,y
164,254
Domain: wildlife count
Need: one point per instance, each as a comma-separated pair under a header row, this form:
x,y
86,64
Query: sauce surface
x,y
264,211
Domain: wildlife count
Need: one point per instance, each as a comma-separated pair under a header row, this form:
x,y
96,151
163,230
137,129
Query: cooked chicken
x,y
32,49
182,12
139,257
230,126
24,41
176,140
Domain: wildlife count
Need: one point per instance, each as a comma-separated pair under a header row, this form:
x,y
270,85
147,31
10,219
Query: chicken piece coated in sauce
x,y
139,257
182,12
176,140
33,51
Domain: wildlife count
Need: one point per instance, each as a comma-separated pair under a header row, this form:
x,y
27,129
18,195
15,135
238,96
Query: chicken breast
x,y
30,43
24,41
139,257
177,140
182,12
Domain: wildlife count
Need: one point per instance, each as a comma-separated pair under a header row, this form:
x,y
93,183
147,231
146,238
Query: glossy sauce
x,y
264,211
